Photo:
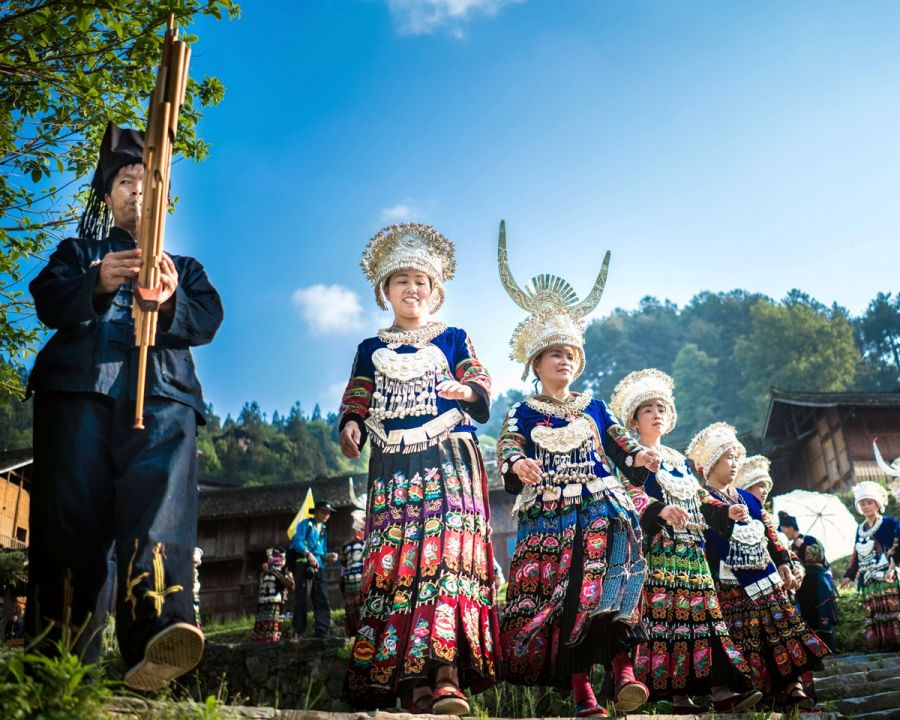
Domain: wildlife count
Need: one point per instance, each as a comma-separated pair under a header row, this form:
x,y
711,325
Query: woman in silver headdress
x,y
689,651
275,582
428,625
753,575
577,571
874,566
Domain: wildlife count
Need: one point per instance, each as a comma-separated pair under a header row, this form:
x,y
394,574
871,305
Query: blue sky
x,y
708,145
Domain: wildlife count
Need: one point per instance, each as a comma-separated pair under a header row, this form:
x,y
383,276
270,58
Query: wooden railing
x,y
10,542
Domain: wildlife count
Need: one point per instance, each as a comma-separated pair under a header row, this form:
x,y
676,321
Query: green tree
x,y
696,392
66,68
630,340
878,335
15,416
797,345
499,408
714,322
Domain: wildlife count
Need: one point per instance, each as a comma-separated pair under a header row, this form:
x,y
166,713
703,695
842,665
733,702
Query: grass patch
x,y
850,631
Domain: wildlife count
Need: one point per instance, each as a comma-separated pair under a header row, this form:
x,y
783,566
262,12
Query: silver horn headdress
x,y
556,315
892,470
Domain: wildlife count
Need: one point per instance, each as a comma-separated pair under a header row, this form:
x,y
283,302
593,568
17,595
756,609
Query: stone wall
x,y
291,674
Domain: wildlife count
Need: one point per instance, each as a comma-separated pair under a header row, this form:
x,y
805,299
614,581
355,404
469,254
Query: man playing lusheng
x,y
97,481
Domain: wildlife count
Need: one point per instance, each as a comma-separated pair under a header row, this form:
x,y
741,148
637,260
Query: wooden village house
x,y
15,498
237,524
823,441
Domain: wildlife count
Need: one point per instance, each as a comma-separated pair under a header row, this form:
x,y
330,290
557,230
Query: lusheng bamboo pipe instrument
x,y
162,129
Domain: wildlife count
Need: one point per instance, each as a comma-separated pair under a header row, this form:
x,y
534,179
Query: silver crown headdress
x,y
555,312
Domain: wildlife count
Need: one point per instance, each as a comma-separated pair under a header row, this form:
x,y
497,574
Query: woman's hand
x,y
647,458
674,515
845,583
738,513
452,390
349,440
527,470
787,577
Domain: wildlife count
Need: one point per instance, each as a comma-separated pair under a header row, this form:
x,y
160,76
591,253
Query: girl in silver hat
x,y
428,626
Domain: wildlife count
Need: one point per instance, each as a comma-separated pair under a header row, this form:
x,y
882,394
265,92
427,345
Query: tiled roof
x,y
287,497
792,414
283,497
10,459
834,399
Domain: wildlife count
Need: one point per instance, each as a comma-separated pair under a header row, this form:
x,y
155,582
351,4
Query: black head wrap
x,y
785,520
119,147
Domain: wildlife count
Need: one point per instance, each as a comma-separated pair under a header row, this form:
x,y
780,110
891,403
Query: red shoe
x,y
586,704
449,700
591,711
630,693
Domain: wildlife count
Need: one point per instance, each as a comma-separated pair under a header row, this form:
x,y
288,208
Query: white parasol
x,y
823,516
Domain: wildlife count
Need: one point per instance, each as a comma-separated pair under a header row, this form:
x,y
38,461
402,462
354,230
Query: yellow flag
x,y
304,512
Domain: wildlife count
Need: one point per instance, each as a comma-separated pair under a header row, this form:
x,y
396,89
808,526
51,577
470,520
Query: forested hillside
x,y
724,350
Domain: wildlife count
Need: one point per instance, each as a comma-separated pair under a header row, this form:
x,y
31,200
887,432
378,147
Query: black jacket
x,y
93,347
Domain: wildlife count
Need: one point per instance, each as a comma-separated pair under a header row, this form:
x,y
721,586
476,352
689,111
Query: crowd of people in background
x,y
664,569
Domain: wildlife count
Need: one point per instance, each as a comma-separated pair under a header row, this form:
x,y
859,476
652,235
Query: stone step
x,y
890,714
870,703
860,666
122,708
831,683
883,673
855,689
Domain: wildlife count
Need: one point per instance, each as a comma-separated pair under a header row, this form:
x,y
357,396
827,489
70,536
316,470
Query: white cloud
x,y
396,213
423,17
329,308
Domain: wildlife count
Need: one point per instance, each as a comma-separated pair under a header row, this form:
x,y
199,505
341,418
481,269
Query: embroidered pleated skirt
x,y
574,590
881,601
269,622
428,578
690,649
771,635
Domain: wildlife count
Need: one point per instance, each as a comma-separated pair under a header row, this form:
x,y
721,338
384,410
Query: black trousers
x,y
99,485
316,589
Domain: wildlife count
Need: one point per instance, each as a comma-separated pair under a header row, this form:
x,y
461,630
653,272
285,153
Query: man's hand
x,y
452,390
527,470
313,563
118,268
350,439
168,278
674,516
648,458
738,513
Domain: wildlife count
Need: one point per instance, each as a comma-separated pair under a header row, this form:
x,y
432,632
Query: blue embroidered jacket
x,y
887,539
464,367
613,445
717,545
